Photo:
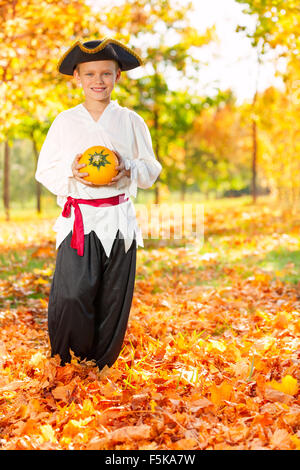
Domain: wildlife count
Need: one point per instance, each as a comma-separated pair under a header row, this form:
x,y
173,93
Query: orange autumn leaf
x,y
281,321
219,393
186,444
42,252
64,392
140,432
200,404
74,426
280,439
277,396
37,360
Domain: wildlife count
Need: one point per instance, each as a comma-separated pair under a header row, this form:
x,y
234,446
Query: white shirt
x,y
73,131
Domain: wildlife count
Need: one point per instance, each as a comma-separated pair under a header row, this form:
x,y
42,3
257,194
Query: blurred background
x,y
219,92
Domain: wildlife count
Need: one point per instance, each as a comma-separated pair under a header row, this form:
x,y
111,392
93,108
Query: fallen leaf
x,y
140,432
287,385
275,395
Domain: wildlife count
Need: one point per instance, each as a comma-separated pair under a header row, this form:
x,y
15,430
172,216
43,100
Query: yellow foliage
x,y
47,433
287,385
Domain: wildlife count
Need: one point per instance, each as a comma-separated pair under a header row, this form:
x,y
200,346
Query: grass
x,y
284,262
281,263
14,262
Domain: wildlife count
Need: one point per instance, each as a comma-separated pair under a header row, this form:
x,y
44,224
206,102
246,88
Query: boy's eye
x,y
105,73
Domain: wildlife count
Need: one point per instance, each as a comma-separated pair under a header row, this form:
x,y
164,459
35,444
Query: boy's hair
x,y
78,69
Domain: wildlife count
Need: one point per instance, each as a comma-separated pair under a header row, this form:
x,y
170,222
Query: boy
x,y
97,232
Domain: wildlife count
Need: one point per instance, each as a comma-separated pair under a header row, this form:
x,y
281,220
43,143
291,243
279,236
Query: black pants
x,y
90,300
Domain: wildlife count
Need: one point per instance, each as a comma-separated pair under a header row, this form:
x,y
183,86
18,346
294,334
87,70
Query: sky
x,y
229,63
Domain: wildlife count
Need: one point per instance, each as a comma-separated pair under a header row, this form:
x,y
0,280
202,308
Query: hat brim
x,y
107,49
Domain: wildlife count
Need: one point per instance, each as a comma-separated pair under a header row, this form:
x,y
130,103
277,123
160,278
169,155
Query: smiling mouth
x,y
98,89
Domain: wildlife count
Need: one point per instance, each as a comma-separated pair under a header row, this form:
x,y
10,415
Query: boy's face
x,y
98,79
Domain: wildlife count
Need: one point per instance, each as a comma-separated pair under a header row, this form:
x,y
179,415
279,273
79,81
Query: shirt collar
x,y
110,105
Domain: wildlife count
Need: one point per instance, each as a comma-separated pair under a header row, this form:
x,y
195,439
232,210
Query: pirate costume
x,y
97,231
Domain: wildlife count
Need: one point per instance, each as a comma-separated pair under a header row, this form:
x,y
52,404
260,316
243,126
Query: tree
x,y
277,29
32,34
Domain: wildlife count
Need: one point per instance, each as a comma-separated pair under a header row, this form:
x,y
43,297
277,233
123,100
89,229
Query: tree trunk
x,y
183,190
157,154
259,52
6,180
185,171
254,160
38,184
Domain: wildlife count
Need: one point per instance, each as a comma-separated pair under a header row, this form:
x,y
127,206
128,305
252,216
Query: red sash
x,y
77,240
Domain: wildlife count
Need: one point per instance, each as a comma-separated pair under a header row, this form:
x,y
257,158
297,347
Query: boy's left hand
x,y
121,168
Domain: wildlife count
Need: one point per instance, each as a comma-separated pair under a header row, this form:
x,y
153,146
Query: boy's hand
x,y
79,176
121,168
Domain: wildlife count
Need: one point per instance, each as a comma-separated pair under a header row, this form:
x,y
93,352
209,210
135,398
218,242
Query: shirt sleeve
x,y
52,170
144,167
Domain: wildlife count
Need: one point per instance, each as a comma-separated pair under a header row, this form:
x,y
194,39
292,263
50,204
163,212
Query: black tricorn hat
x,y
106,49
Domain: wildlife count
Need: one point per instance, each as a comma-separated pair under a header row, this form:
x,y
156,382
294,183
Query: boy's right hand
x,y
79,176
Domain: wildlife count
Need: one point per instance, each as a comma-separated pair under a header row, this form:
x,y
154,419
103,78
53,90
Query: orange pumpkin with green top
x,y
100,163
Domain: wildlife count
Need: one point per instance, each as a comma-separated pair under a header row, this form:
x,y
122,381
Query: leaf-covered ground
x,y
211,355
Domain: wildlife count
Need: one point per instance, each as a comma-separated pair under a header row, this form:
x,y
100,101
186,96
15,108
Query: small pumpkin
x,y
100,164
